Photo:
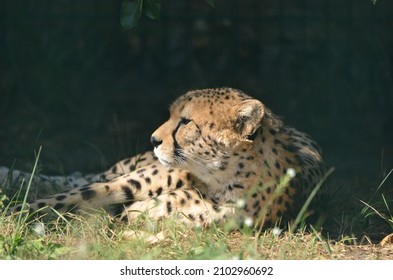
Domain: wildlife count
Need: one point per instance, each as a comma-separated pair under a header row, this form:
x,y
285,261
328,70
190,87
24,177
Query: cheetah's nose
x,y
156,142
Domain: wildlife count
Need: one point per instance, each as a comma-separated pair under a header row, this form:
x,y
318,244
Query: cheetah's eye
x,y
184,121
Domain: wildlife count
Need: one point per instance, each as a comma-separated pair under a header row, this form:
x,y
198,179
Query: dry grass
x,y
97,236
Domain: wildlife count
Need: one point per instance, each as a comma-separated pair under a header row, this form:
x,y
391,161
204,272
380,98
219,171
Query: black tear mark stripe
x,y
176,144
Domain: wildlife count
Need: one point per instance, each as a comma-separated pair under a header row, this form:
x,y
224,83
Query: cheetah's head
x,y
206,128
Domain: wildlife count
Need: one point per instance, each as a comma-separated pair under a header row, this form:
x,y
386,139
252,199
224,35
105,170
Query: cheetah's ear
x,y
248,117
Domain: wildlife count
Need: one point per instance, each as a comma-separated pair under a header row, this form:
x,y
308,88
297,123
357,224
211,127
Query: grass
x,y
381,207
98,236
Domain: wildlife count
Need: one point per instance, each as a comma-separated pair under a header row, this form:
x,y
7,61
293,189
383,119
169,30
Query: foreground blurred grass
x,y
99,237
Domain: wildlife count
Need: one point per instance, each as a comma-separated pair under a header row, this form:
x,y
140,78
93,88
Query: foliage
x,y
380,208
132,10
100,237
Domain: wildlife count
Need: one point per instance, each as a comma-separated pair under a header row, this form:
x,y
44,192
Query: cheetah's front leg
x,y
186,205
144,183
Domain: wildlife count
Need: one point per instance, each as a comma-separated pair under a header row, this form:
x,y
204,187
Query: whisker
x,y
193,158
180,160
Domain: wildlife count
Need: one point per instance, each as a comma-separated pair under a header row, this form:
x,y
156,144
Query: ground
x,y
100,237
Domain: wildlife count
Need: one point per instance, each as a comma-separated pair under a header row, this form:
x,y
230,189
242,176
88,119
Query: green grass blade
x,y
309,199
384,179
28,186
19,224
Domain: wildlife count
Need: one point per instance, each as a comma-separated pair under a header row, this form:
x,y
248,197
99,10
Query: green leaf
x,y
130,13
152,8
211,2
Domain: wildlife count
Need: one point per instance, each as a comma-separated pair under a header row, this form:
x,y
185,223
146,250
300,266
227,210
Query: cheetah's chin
x,y
165,162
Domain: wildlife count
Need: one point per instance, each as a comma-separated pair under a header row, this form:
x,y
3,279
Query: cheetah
x,y
221,155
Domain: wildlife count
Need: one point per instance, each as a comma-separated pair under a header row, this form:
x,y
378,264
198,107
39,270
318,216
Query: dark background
x,y
73,81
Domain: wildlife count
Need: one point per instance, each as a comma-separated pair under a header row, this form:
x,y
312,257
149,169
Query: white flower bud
x,y
291,172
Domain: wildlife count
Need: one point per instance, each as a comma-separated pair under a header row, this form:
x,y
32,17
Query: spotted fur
x,y
222,154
